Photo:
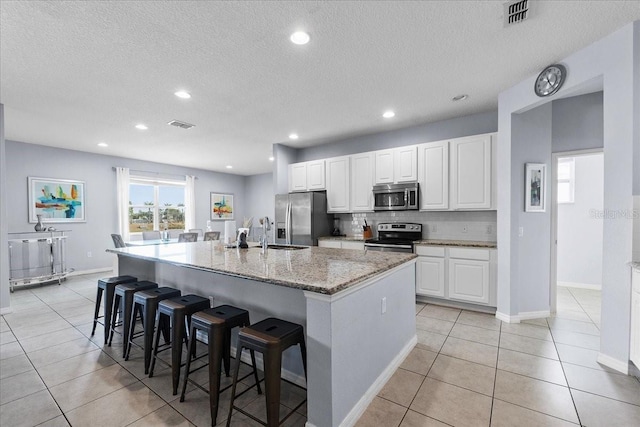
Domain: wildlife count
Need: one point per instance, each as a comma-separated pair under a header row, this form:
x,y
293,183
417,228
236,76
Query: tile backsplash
x,y
479,225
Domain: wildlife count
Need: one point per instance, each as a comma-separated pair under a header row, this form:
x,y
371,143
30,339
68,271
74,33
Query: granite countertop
x,y
460,243
354,238
321,270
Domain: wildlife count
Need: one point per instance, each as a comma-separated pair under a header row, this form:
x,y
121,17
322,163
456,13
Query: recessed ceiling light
x,y
182,94
271,159
460,97
388,114
293,136
141,126
229,167
102,144
299,37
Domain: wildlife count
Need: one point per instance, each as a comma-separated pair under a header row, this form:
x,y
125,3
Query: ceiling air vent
x,y
515,11
179,124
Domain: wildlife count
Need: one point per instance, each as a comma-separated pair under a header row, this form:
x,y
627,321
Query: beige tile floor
x,y
468,369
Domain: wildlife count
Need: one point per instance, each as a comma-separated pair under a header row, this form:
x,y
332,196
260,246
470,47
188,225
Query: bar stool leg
x,y
114,318
303,350
272,365
178,334
216,341
159,324
226,354
108,301
255,371
96,311
149,315
131,328
192,347
235,382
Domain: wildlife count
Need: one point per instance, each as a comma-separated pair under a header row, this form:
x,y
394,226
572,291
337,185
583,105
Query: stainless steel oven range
x,y
395,237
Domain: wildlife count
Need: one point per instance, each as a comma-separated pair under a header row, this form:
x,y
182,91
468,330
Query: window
x,y
153,202
566,179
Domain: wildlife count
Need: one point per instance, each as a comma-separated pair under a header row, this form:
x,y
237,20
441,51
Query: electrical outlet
x,y
489,229
465,228
383,304
89,255
434,228
520,231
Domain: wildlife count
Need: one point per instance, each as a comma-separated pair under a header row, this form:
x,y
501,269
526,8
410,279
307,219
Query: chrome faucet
x,y
264,239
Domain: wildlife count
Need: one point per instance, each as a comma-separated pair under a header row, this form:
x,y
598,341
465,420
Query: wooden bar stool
x,y
107,285
124,292
175,311
271,337
146,303
216,324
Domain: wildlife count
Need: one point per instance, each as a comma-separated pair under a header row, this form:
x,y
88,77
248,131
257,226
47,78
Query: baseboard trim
x,y
5,310
90,271
580,285
612,363
527,315
359,408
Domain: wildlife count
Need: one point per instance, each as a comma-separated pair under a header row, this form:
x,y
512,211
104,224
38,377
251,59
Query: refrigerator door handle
x,y
289,226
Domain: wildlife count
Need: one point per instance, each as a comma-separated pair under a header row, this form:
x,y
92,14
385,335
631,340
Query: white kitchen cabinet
x,y
384,166
433,175
396,165
307,176
635,317
341,244
315,175
338,184
362,168
298,177
405,168
471,175
430,276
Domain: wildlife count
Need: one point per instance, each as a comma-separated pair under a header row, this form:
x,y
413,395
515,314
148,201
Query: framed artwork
x,y
534,187
56,200
221,206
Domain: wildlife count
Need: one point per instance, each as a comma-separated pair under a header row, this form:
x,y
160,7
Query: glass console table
x,y
37,257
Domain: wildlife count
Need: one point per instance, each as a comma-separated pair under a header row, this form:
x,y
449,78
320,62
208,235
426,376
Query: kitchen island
x,y
357,309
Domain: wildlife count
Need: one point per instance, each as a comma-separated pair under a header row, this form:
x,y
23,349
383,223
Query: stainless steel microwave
x,y
395,197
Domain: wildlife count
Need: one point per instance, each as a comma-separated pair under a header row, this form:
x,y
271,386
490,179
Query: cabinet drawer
x,y
436,251
466,253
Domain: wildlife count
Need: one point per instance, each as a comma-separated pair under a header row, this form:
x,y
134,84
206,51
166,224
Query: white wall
x,y
260,202
4,225
580,225
615,60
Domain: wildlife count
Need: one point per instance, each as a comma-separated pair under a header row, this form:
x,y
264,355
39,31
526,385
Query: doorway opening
x,y
577,241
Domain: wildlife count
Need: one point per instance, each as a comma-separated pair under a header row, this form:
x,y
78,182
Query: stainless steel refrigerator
x,y
302,217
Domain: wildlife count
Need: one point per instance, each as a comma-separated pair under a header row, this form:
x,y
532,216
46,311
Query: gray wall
x,y
445,129
577,123
616,61
283,156
579,228
24,160
531,143
4,227
259,201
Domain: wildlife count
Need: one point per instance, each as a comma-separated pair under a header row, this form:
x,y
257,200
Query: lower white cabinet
x,y
341,244
635,318
455,273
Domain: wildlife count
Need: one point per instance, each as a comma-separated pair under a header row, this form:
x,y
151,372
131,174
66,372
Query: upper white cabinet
x,y
307,176
433,175
338,184
471,175
362,176
396,165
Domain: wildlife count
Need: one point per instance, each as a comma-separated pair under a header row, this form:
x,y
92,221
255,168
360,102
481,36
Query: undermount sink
x,y
288,247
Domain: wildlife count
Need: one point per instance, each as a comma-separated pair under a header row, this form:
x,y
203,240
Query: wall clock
x,y
550,80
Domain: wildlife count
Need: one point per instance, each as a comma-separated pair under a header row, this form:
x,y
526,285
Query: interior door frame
x,y
553,279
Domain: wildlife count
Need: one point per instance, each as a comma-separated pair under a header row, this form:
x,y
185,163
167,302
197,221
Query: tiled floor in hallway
x,y
468,369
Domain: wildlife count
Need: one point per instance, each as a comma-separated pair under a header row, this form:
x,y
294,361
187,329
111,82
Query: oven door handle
x,y
382,245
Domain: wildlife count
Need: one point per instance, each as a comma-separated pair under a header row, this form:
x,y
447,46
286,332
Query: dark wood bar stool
x,y
124,295
271,337
175,311
107,285
146,303
216,324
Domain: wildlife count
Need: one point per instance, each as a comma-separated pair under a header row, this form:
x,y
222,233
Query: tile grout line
x,y
495,376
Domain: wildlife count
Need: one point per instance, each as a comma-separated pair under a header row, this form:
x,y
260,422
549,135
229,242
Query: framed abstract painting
x,y
56,200
535,187
221,206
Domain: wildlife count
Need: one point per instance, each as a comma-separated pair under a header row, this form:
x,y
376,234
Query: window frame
x,y
571,180
156,184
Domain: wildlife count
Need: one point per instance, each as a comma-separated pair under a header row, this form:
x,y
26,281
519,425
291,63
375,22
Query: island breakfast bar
x,y
357,309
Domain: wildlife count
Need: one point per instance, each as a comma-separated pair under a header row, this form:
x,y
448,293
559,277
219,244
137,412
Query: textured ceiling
x,y
76,73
